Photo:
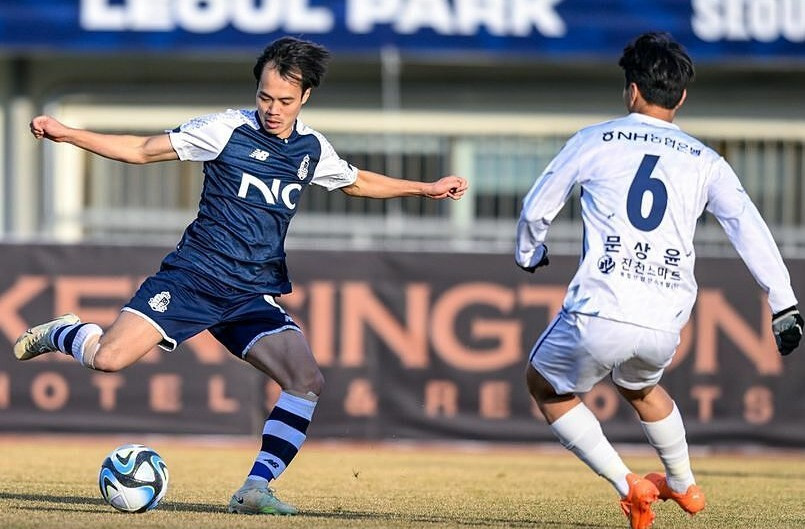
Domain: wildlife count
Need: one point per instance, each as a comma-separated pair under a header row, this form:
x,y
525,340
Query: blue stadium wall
x,y
413,346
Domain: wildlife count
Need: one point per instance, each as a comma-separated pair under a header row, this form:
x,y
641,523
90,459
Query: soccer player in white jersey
x,y
643,183
230,263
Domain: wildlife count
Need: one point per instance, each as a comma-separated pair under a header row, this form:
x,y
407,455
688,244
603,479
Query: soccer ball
x,y
133,478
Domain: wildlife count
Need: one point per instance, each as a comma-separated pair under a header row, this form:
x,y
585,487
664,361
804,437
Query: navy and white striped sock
x,y
283,435
69,339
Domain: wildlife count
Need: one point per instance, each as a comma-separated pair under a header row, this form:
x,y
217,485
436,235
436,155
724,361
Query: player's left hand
x,y
787,328
447,187
543,261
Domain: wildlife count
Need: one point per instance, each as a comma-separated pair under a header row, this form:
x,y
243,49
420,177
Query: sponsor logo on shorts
x,y
160,302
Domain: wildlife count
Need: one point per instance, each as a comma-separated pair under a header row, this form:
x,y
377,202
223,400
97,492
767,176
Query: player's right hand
x,y
47,127
787,328
544,261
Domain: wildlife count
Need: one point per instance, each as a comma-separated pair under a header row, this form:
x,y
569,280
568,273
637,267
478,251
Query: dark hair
x,y
659,67
294,59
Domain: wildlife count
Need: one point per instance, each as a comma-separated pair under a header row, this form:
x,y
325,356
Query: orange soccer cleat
x,y
637,504
692,501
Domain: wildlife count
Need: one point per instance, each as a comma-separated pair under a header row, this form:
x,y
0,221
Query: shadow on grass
x,y
441,520
86,504
53,498
748,474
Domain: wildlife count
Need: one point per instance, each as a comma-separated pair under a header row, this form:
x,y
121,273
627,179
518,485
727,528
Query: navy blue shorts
x,y
181,304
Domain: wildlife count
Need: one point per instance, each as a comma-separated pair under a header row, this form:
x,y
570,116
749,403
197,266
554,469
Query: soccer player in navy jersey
x,y
229,265
644,184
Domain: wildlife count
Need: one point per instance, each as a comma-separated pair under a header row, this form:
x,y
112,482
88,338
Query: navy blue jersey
x,y
252,184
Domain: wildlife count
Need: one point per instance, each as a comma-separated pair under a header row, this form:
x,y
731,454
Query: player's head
x,y
286,72
659,68
296,60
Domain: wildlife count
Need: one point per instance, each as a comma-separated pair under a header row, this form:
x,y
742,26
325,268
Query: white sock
x,y
88,355
255,483
580,432
667,436
71,339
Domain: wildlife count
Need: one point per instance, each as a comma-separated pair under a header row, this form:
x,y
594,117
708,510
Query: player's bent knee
x,y
313,384
634,395
106,363
110,359
305,384
540,389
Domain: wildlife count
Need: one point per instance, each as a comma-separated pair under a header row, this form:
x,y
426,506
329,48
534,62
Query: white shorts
x,y
576,351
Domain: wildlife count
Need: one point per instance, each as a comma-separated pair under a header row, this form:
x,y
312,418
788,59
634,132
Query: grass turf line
x,y
46,482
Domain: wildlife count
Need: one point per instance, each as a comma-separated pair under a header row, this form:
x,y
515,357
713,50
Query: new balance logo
x,y
259,154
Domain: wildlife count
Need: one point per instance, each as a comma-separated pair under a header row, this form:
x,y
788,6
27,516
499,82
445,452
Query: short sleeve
x,y
203,138
332,172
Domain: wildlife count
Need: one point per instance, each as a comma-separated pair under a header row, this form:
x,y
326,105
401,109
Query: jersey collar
x,y
643,118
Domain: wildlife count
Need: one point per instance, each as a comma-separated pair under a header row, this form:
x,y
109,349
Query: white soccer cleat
x,y
259,500
36,340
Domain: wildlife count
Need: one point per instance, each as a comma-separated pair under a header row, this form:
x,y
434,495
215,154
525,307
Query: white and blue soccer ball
x,y
133,478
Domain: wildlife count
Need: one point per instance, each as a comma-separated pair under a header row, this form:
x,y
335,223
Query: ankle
x,y
255,483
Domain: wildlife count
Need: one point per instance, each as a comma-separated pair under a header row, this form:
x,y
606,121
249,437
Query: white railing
x,y
100,200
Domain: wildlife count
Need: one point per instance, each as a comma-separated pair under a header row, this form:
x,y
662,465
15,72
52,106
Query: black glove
x,y
787,328
542,262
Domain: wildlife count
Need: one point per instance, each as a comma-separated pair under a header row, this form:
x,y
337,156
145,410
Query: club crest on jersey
x,y
160,302
303,167
259,154
606,264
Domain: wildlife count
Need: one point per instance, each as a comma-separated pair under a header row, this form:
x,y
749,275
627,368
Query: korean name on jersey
x,y
644,183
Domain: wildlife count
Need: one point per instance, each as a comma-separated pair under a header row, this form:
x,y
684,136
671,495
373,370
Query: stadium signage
x,y
749,20
426,335
712,30
456,17
411,347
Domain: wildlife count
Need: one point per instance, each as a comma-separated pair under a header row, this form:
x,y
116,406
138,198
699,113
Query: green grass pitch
x,y
51,482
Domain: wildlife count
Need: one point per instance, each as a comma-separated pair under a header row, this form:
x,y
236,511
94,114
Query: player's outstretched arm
x,y
375,185
120,147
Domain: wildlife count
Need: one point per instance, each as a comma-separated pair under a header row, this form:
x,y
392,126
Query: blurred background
x,y
487,89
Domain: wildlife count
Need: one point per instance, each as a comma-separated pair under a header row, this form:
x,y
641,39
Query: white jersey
x,y
644,183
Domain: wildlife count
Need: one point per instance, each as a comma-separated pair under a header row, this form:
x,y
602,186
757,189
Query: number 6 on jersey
x,y
643,183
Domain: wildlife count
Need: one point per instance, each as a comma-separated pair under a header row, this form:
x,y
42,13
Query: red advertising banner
x,y
413,346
